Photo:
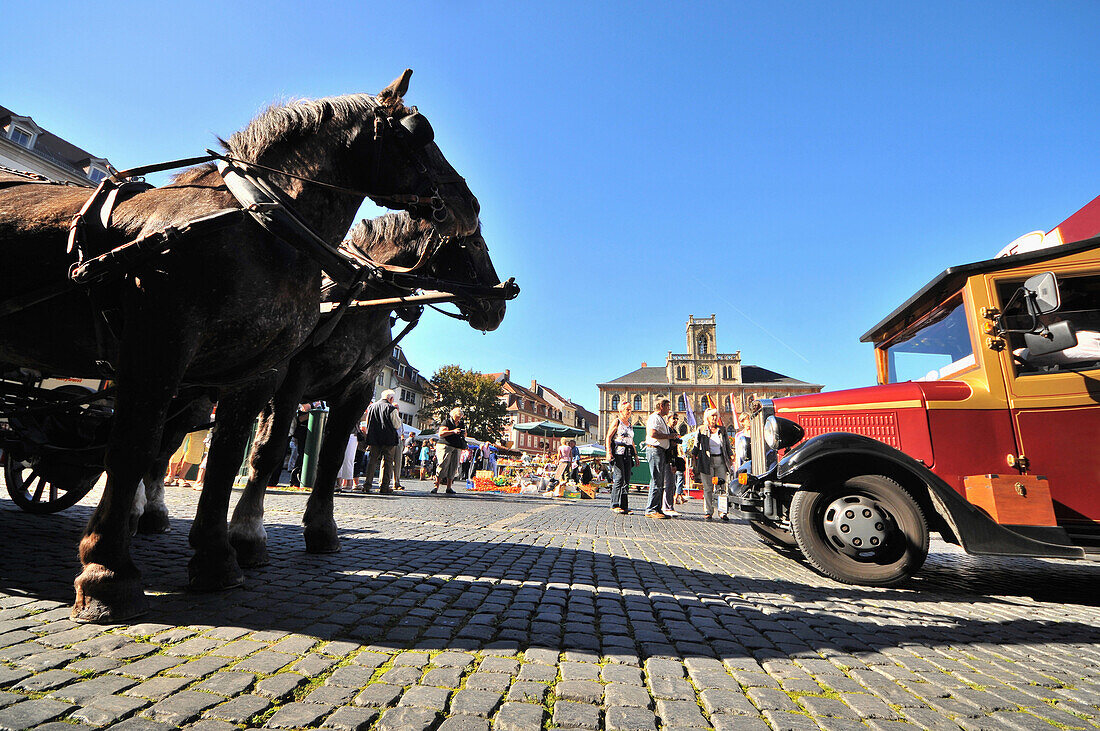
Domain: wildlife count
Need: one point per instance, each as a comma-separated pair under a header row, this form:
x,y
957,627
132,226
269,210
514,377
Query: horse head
x,y
403,146
400,240
360,145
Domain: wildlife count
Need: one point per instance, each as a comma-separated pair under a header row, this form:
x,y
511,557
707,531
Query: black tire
x,y
40,494
776,538
866,531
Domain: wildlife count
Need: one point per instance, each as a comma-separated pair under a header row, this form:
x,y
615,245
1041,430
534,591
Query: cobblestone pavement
x,y
481,611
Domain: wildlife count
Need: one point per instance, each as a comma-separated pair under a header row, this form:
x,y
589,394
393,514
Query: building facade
x,y
539,403
409,385
24,145
687,377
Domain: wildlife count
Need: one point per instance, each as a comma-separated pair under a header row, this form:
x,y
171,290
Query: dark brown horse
x,y
214,309
342,372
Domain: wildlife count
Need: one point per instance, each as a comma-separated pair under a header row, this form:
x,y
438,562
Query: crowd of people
x,y
674,455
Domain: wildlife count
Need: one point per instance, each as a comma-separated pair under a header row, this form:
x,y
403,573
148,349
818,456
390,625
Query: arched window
x,y
615,402
701,345
681,405
681,373
637,402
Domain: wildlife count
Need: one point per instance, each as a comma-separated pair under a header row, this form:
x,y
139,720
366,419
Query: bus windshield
x,y
937,347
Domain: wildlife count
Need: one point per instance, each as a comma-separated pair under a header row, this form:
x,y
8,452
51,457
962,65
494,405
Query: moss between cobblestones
x,y
261,718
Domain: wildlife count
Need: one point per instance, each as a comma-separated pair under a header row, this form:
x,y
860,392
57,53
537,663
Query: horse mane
x,y
282,122
395,230
285,121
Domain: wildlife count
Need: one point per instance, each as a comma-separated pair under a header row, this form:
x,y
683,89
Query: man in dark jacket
x,y
383,437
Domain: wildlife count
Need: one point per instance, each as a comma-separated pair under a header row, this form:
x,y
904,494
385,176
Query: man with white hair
x,y
383,437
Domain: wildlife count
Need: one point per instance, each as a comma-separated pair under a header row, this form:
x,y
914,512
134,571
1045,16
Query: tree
x,y
478,395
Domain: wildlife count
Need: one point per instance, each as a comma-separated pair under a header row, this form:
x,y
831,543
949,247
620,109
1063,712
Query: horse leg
x,y
320,526
214,566
108,588
154,517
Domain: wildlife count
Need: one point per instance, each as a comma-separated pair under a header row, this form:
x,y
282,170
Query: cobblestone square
x,y
512,612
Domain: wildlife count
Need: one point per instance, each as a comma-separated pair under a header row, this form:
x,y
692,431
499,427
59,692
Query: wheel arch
x,y
838,466
947,512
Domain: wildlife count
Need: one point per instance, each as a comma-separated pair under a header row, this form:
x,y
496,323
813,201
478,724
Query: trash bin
x,y
316,426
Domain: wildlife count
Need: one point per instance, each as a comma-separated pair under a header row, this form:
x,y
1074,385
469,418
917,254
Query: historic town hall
x,y
687,377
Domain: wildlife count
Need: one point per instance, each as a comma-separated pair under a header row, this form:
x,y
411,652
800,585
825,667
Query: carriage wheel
x,y
42,494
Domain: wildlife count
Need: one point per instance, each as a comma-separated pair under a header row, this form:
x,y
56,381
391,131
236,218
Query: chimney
x,y
643,364
534,386
507,375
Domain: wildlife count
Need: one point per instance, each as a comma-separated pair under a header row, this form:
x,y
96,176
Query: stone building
x,y
702,370
409,385
24,145
540,403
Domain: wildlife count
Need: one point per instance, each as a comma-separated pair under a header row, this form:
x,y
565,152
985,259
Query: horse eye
x,y
419,129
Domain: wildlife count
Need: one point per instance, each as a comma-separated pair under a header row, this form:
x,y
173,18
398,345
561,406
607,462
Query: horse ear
x,y
399,87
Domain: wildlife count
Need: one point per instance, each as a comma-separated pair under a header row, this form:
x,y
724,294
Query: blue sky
x,y
797,168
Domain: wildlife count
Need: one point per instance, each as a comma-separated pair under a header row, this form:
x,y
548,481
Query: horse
x,y
342,372
214,309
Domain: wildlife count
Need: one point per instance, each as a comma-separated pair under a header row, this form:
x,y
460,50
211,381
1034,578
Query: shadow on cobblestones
x,y
392,587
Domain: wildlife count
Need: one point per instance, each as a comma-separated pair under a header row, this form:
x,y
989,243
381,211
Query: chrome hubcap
x,y
856,525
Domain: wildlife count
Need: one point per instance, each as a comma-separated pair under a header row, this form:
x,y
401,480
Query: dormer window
x,y
96,175
21,137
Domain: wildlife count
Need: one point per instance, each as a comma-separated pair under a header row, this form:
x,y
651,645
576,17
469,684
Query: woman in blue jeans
x,y
620,448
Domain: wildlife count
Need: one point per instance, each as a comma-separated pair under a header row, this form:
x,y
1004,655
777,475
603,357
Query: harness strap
x,y
271,209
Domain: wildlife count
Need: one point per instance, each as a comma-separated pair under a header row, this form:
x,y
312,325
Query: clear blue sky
x,y
797,168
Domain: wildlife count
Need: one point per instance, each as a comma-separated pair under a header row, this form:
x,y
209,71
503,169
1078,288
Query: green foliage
x,y
478,395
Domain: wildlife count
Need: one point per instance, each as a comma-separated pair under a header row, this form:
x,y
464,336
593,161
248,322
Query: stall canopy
x,y
592,450
549,429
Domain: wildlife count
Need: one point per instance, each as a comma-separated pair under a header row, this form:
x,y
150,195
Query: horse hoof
x,y
251,554
209,584
322,542
154,523
214,575
102,598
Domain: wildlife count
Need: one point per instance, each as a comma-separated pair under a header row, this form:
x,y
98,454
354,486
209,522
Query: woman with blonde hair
x,y
623,456
714,461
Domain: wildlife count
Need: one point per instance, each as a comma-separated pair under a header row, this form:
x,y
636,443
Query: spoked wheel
x,y
42,490
868,531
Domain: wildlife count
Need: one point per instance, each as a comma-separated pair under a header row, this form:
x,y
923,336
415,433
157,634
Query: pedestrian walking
x,y
425,458
620,449
659,437
383,435
714,461
453,434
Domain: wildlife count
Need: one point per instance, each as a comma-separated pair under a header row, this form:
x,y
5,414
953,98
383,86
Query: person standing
x,y
299,435
715,461
362,459
346,475
675,493
493,458
620,448
658,439
565,459
383,436
425,457
453,434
